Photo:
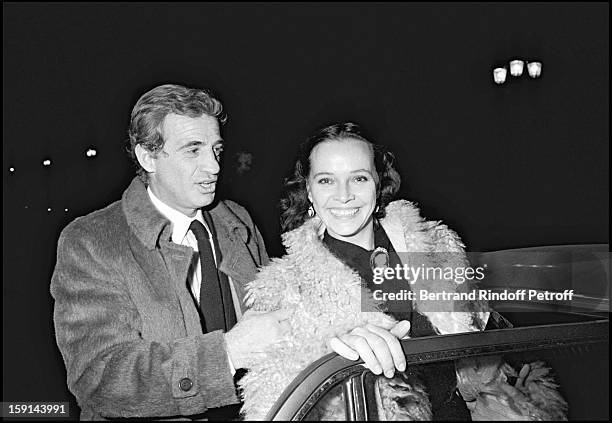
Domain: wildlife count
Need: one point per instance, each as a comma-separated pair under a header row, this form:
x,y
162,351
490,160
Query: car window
x,y
331,406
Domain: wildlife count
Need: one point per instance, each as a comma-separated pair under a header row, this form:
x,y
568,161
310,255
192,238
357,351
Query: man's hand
x,y
254,333
378,347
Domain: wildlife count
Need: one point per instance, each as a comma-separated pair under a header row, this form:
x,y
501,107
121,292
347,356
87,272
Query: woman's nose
x,y
343,193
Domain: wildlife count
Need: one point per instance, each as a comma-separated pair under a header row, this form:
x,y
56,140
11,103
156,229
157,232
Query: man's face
x,y
184,173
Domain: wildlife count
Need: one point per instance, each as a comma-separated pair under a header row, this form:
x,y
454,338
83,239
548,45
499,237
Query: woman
x,y
338,219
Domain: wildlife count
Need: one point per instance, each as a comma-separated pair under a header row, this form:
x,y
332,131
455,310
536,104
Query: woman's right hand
x,y
378,347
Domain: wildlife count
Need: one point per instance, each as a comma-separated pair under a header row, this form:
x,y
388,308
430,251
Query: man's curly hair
x,y
294,201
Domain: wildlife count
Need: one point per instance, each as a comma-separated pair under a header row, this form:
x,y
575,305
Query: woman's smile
x,y
344,213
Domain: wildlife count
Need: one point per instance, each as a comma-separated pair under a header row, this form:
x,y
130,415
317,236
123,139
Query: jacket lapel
x,y
236,259
165,296
165,264
178,260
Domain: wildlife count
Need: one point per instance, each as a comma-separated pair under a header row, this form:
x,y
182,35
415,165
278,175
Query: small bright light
x,y
91,152
499,75
11,169
47,162
534,69
516,67
65,210
49,209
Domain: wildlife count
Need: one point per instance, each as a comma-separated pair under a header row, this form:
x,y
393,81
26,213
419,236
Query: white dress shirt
x,y
183,236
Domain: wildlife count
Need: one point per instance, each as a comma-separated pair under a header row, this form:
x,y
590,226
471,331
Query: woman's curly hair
x,y
294,201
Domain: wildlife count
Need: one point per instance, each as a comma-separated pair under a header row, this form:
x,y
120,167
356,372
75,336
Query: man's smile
x,y
208,186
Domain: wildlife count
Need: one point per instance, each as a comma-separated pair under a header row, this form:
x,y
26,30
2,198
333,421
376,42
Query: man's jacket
x,y
126,324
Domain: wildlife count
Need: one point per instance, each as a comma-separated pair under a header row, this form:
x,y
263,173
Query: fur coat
x,y
326,298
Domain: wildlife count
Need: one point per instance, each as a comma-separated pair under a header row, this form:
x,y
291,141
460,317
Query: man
x,y
149,289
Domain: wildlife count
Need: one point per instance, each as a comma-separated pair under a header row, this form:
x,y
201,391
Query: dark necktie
x,y
215,295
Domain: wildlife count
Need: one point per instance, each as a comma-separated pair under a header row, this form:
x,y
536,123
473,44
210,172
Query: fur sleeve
x,y
274,287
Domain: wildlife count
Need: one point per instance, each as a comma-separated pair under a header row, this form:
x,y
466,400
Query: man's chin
x,y
206,200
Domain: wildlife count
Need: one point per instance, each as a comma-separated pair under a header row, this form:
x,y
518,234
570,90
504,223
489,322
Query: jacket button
x,y
185,384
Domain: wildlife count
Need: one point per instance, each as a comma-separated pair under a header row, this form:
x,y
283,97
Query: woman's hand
x,y
378,347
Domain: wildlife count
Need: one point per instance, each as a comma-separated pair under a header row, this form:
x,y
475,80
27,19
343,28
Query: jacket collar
x,y
149,225
146,222
226,219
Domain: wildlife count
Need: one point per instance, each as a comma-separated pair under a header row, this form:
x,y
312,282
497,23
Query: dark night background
x,y
521,164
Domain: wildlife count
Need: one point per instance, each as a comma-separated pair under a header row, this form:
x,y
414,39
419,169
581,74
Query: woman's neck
x,y
364,238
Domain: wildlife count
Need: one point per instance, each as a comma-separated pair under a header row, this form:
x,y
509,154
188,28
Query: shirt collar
x,y
180,222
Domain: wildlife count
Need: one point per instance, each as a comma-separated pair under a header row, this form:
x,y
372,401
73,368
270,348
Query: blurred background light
x,y
534,69
516,67
499,75
46,162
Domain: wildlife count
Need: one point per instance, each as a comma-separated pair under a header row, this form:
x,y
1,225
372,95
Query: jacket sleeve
x,y
111,369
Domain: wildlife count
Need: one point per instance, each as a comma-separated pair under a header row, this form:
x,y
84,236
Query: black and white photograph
x,y
350,211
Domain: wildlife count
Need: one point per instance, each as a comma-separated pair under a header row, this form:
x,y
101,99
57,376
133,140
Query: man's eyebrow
x,y
190,144
197,143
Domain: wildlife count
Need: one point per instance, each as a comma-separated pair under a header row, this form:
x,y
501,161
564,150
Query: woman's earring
x,y
311,211
376,209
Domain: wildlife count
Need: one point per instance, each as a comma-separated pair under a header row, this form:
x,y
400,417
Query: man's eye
x,y
218,150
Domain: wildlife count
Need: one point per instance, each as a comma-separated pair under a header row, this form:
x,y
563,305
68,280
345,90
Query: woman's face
x,y
342,189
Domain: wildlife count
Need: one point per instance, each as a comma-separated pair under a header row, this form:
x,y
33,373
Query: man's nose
x,y
209,163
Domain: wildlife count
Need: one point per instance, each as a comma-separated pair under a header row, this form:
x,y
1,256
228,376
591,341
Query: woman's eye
x,y
361,178
325,181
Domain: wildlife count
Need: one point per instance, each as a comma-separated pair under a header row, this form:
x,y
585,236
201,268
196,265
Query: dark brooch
x,y
379,258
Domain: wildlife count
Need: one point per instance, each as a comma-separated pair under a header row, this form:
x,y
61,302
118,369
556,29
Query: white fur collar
x,y
410,233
